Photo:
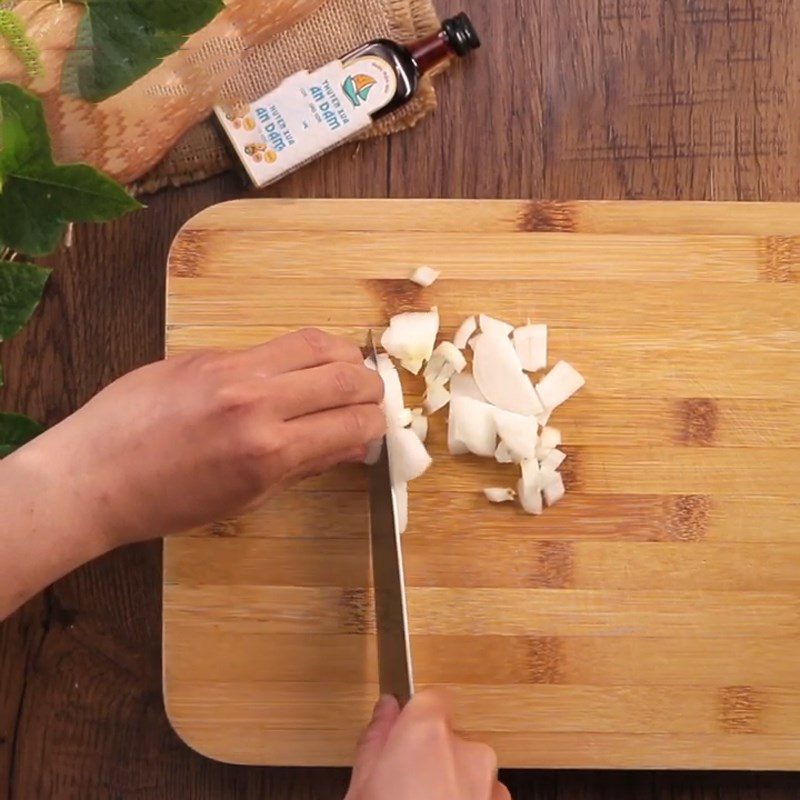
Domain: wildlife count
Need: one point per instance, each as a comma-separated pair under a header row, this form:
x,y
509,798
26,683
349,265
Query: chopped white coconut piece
x,y
559,385
496,400
498,373
419,424
464,333
549,439
554,491
518,432
530,498
464,385
530,342
445,361
547,475
553,460
455,446
408,458
404,418
393,404
474,425
495,326
425,276
498,495
436,397
504,456
411,337
531,473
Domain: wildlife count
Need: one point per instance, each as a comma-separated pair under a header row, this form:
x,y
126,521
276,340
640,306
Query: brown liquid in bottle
x,y
279,133
456,39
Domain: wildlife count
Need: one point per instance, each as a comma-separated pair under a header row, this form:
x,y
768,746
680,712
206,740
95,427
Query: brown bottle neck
x,y
429,53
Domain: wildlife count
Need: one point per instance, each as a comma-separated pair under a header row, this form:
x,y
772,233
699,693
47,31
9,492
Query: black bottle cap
x,y
461,34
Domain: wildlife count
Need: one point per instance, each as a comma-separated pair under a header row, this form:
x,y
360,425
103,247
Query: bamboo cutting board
x,y
650,620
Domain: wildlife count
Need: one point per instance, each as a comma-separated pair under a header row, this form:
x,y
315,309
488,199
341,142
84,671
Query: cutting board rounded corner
x,y
190,736
199,220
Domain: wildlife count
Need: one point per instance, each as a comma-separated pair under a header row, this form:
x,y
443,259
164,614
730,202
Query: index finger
x,y
300,350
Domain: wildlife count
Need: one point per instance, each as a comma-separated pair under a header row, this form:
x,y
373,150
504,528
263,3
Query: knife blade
x,y
391,611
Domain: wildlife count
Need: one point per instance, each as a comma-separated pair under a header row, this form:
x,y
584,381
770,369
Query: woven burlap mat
x,y
335,28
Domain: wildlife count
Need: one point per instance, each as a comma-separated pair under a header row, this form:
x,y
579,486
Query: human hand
x,y
415,754
181,442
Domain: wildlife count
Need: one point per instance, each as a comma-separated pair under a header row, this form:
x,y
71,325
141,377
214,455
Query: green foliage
x,y
21,287
118,41
38,198
15,431
13,31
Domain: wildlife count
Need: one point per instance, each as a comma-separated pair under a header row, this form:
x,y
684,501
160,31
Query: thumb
x,y
372,742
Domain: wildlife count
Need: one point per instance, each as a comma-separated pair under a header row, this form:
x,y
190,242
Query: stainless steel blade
x,y
391,613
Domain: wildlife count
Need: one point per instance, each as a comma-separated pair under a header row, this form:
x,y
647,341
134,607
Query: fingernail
x,y
385,703
357,455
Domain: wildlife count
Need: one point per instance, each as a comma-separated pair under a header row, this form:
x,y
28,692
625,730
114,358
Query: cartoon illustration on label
x,y
239,116
259,151
357,88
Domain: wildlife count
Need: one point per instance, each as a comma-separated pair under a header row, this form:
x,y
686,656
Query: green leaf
x,y
118,41
15,431
21,287
13,31
38,198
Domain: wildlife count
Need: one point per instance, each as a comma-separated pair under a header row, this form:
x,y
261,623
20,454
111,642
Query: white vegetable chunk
x,y
494,412
494,326
553,460
408,458
464,333
445,361
530,342
393,403
404,418
530,498
559,385
498,372
498,495
474,426
547,476
410,338
464,385
549,439
531,473
554,491
425,276
504,456
419,424
519,433
455,446
436,397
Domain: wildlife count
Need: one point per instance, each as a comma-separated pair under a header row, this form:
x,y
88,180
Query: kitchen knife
x,y
391,612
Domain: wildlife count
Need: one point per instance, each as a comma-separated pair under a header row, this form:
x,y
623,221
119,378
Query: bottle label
x,y
308,114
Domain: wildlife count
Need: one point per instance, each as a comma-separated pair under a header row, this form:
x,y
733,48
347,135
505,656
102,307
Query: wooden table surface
x,y
688,99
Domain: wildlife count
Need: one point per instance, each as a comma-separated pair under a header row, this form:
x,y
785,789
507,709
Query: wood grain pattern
x,y
581,582
638,74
